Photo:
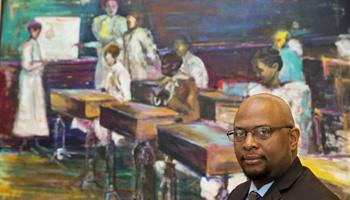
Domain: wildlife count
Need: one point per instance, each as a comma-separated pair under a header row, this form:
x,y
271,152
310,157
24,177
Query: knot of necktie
x,y
254,196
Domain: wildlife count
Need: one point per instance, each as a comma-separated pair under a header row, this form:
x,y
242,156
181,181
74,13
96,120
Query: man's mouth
x,y
252,159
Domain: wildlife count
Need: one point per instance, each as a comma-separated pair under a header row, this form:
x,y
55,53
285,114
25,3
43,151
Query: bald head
x,y
268,107
270,143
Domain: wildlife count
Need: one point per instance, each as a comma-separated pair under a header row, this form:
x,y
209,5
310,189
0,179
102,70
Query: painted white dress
x,y
194,66
140,55
31,117
117,84
106,29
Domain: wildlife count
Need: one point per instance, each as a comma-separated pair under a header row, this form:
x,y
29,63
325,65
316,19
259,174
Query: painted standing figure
x,y
31,117
140,52
107,28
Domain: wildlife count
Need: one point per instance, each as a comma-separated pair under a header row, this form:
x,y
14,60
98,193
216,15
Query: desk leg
x,y
59,129
144,158
168,184
89,161
110,176
223,192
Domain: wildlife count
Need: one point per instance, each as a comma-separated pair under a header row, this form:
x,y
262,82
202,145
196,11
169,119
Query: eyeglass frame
x,y
254,134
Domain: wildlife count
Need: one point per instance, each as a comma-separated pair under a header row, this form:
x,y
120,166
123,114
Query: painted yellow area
x,y
95,98
104,32
280,38
89,95
335,171
9,158
5,189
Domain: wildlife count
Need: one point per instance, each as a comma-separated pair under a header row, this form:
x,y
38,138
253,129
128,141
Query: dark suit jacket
x,y
298,183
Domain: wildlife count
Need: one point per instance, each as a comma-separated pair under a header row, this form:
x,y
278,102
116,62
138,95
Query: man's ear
x,y
294,135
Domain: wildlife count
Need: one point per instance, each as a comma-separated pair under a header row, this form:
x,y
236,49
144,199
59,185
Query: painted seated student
x,y
290,51
192,64
178,90
31,119
267,64
140,51
118,78
116,84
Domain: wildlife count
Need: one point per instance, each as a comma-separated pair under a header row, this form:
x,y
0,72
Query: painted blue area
x,y
17,14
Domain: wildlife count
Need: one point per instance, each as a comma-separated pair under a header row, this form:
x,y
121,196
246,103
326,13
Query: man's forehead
x,y
264,109
256,113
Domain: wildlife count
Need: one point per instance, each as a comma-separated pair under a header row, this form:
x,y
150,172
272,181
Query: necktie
x,y
254,196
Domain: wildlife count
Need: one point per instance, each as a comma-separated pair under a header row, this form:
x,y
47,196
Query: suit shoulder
x,y
312,188
239,192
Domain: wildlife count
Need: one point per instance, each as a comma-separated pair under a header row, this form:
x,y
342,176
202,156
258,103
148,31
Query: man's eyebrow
x,y
262,125
258,126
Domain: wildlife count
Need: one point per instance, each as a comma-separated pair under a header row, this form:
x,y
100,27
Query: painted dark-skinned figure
x,y
178,90
267,64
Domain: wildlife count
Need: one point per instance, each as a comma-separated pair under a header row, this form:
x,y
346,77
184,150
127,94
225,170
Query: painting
x,y
137,99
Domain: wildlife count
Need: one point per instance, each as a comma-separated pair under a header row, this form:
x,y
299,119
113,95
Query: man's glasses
x,y
259,132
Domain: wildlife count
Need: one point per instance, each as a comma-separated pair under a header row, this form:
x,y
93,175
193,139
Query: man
x,y
192,64
290,52
106,28
178,90
267,64
266,143
140,52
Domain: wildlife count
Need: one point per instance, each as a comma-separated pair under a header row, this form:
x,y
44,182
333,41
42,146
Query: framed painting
x,y
137,99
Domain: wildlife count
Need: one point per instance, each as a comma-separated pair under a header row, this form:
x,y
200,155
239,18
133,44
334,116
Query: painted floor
x,y
33,176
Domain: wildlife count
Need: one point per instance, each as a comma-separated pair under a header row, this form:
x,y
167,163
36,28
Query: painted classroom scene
x,y
148,99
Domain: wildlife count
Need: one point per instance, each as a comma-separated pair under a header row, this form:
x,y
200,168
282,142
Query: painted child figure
x,y
118,78
179,91
191,64
290,51
116,84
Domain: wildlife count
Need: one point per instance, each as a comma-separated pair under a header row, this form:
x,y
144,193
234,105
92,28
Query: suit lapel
x,y
284,182
240,192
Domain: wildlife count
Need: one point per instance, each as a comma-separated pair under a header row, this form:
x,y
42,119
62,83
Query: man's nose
x,y
250,142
